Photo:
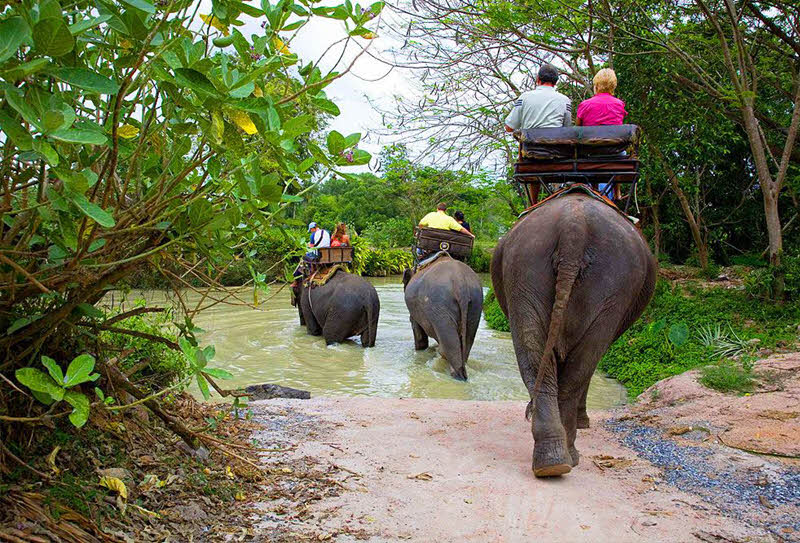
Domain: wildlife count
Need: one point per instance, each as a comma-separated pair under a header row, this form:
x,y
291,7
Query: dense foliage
x,y
144,137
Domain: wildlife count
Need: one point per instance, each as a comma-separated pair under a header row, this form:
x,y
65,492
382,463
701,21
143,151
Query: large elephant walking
x,y
571,277
445,300
346,305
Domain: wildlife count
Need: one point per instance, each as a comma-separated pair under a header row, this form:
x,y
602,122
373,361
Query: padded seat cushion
x,y
578,141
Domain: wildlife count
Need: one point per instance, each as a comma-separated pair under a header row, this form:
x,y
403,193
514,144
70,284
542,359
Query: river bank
x,y
454,470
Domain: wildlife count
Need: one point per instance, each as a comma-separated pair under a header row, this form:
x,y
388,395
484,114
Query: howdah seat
x,y
583,154
433,240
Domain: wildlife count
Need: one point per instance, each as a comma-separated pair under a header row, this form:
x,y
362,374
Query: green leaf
x,y
90,311
223,41
143,5
336,143
20,103
21,71
194,80
203,385
352,140
86,79
79,370
52,120
297,126
80,404
21,137
40,382
47,151
93,211
678,334
21,323
79,135
326,105
52,37
218,373
43,397
13,33
86,24
53,369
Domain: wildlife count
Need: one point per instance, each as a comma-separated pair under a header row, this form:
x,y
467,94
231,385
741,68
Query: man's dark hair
x,y
459,215
442,206
548,74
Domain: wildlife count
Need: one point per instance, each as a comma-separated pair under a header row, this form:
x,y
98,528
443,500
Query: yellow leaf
x,y
128,131
257,92
125,44
229,473
369,36
112,483
280,46
216,23
51,460
243,121
239,497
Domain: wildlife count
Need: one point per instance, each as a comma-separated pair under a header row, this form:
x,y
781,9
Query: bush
x,y
480,259
378,262
759,283
391,233
495,318
728,376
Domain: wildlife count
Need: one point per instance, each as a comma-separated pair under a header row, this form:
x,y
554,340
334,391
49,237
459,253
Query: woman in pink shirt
x,y
603,108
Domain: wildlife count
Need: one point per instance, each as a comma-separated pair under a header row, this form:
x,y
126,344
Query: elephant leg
x,y
574,379
313,326
583,416
550,450
420,337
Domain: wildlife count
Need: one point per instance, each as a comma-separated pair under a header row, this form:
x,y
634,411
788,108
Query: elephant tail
x,y
568,260
463,329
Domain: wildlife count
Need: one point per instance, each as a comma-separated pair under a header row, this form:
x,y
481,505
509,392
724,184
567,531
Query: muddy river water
x,y
268,345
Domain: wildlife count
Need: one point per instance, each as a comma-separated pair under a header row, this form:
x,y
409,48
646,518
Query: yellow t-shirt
x,y
442,221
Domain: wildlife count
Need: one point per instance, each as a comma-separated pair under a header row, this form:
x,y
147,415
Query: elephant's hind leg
x,y
420,337
583,416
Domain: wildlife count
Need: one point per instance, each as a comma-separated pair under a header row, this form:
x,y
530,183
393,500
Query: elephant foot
x,y
551,459
460,374
576,457
583,421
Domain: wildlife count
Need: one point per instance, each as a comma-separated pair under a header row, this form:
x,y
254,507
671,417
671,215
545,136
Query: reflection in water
x,y
268,345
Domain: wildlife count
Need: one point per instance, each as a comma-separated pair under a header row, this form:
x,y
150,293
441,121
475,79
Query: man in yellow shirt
x,y
441,220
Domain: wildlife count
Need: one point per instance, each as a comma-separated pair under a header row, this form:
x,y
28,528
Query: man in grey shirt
x,y
543,107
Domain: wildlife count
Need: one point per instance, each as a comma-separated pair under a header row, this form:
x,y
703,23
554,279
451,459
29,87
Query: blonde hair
x,y
605,81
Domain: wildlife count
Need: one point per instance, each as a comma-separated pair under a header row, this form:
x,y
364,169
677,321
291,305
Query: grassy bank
x,y
689,325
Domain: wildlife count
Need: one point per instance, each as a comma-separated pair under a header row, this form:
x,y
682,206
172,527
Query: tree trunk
x,y
770,192
694,227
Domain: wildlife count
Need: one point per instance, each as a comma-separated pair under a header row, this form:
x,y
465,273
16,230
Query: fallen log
x,y
268,391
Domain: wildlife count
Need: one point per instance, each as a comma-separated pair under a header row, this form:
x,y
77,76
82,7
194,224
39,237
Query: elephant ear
x,y
407,274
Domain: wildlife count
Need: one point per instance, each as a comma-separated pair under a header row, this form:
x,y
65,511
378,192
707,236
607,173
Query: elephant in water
x,y
445,300
346,305
571,277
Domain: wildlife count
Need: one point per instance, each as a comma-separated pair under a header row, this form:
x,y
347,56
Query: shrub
x,y
495,318
391,233
759,283
480,259
728,376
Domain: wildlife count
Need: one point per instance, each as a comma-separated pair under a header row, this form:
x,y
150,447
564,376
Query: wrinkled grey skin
x,y
445,301
571,277
346,306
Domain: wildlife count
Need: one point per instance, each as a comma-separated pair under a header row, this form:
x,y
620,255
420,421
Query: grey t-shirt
x,y
542,107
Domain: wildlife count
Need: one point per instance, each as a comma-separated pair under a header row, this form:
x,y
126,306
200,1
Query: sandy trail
x,y
449,470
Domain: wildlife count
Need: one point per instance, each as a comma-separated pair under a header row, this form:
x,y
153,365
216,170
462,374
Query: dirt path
x,y
448,470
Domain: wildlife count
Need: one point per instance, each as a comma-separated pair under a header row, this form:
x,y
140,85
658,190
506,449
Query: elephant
x,y
346,305
571,277
445,300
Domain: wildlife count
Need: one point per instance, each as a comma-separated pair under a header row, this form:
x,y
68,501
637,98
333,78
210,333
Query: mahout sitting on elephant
x,y
445,300
571,277
346,305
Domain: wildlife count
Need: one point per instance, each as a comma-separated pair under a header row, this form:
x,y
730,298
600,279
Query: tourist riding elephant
x,y
445,300
346,305
571,277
